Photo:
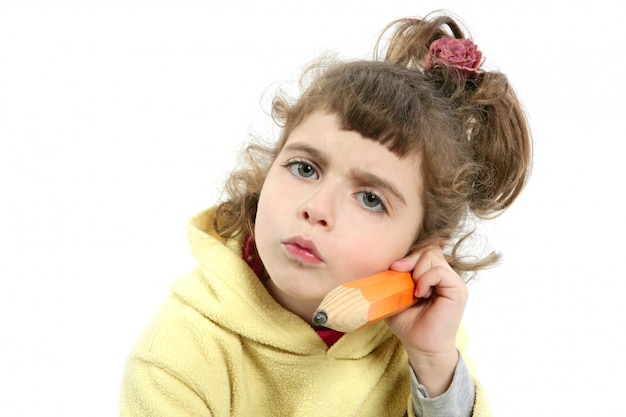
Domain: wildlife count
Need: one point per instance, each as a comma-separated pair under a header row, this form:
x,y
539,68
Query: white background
x,y
120,119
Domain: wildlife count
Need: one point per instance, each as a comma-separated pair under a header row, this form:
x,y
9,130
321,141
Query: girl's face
x,y
334,207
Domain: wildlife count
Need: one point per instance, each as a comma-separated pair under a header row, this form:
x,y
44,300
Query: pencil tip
x,y
319,318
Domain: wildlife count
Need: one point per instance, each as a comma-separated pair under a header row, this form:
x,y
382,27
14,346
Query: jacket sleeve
x,y
166,373
149,390
458,400
465,397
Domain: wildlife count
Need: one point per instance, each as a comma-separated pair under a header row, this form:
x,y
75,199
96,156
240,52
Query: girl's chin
x,y
305,297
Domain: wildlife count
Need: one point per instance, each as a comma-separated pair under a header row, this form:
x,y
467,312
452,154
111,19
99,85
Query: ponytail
x,y
485,104
500,145
480,168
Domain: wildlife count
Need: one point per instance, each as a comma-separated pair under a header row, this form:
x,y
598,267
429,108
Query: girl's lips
x,y
304,250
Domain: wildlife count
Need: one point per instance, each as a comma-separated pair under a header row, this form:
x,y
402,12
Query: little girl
x,y
378,166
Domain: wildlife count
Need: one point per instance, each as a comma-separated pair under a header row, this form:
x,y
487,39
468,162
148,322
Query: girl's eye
x,y
371,201
302,169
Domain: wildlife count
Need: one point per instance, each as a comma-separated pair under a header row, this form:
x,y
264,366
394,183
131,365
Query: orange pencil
x,y
364,301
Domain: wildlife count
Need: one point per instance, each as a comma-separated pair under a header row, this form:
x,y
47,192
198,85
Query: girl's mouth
x,y
303,250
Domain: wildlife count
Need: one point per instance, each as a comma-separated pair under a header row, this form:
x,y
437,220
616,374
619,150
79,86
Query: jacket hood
x,y
228,292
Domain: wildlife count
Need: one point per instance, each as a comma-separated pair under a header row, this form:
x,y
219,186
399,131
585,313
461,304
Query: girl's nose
x,y
319,207
314,218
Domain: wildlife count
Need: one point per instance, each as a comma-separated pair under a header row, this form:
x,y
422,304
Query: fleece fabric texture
x,y
221,346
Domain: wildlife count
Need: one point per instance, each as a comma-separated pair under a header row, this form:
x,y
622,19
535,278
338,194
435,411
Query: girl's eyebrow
x,y
359,175
371,180
320,157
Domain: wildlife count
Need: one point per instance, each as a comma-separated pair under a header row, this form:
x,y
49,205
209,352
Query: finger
x,y
408,263
405,264
429,259
442,281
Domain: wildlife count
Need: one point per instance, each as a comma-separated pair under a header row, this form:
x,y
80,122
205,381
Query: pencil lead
x,y
319,318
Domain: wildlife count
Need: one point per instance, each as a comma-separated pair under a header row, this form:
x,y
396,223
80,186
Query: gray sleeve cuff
x,y
458,400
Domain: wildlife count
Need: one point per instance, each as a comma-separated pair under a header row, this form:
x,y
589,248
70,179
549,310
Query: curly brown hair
x,y
470,133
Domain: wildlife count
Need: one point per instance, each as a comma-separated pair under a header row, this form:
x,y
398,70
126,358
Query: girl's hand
x,y
428,329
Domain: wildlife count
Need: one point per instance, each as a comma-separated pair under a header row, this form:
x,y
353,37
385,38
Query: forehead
x,y
393,134
328,129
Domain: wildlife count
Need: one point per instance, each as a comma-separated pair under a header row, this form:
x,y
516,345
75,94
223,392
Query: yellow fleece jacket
x,y
221,346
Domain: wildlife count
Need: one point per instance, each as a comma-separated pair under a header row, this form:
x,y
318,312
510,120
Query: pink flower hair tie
x,y
460,56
